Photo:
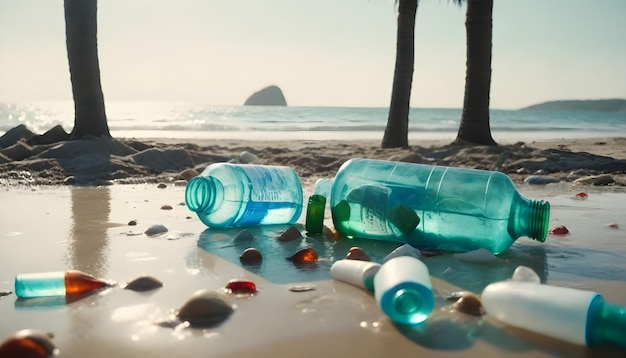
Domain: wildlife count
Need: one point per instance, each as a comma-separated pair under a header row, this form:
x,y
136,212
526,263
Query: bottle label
x,y
269,190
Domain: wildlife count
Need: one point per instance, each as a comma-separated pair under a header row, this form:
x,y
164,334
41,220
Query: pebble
x,y
290,234
357,253
132,223
5,293
467,302
541,179
251,256
525,274
205,307
304,256
302,288
143,283
155,230
166,207
28,343
613,225
162,186
188,174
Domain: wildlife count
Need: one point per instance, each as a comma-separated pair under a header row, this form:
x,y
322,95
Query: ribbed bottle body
x,y
431,207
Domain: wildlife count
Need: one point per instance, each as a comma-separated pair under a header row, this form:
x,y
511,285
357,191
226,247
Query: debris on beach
x,y
29,343
241,287
541,180
581,196
477,256
132,223
525,274
404,250
251,256
357,253
466,302
205,308
302,288
155,230
162,186
331,233
613,225
597,180
290,234
166,207
559,230
143,283
304,256
244,235
5,293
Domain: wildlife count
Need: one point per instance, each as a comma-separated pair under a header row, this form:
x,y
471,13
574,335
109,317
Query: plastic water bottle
x,y
403,290
433,207
235,195
577,316
61,283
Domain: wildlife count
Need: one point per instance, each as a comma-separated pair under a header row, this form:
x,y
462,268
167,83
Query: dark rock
x,y
54,135
604,179
14,135
269,96
18,151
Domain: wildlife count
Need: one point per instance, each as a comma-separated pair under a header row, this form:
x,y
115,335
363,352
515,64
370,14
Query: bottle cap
x,y
355,272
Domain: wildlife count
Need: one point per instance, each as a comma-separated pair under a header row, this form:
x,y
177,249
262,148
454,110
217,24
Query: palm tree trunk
x,y
474,126
397,130
82,53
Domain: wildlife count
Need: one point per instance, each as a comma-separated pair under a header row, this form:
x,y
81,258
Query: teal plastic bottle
x,y
573,315
433,207
237,195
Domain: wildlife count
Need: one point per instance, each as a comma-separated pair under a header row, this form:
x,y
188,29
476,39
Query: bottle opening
x,y
200,193
539,220
407,302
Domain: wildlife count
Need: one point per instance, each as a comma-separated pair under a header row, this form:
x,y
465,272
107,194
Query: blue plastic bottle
x,y
433,207
236,195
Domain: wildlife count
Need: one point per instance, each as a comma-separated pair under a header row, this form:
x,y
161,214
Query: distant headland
x,y
602,105
268,96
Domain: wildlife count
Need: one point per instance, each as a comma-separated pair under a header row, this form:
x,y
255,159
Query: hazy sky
x,y
320,53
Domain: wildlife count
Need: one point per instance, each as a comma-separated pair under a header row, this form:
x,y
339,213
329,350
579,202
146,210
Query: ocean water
x,y
187,120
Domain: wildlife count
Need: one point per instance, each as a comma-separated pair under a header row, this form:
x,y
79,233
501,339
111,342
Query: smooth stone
x,y
251,256
155,230
304,256
143,283
357,253
28,343
467,302
290,234
541,179
205,307
525,274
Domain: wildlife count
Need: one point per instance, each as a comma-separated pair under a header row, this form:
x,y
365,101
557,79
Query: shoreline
x,y
105,161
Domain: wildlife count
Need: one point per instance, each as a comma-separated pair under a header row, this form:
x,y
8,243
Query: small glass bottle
x,y
60,283
433,207
573,315
316,207
236,195
403,290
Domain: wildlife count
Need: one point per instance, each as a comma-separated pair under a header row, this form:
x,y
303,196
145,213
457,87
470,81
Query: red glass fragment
x,y
581,195
613,225
241,286
305,256
559,230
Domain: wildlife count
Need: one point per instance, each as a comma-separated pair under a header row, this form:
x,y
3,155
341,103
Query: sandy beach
x,y
49,226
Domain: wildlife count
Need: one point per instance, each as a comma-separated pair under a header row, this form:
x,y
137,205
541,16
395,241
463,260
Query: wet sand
x,y
51,228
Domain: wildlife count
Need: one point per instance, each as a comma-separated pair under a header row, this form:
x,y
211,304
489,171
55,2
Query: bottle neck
x,y
202,193
530,218
606,323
